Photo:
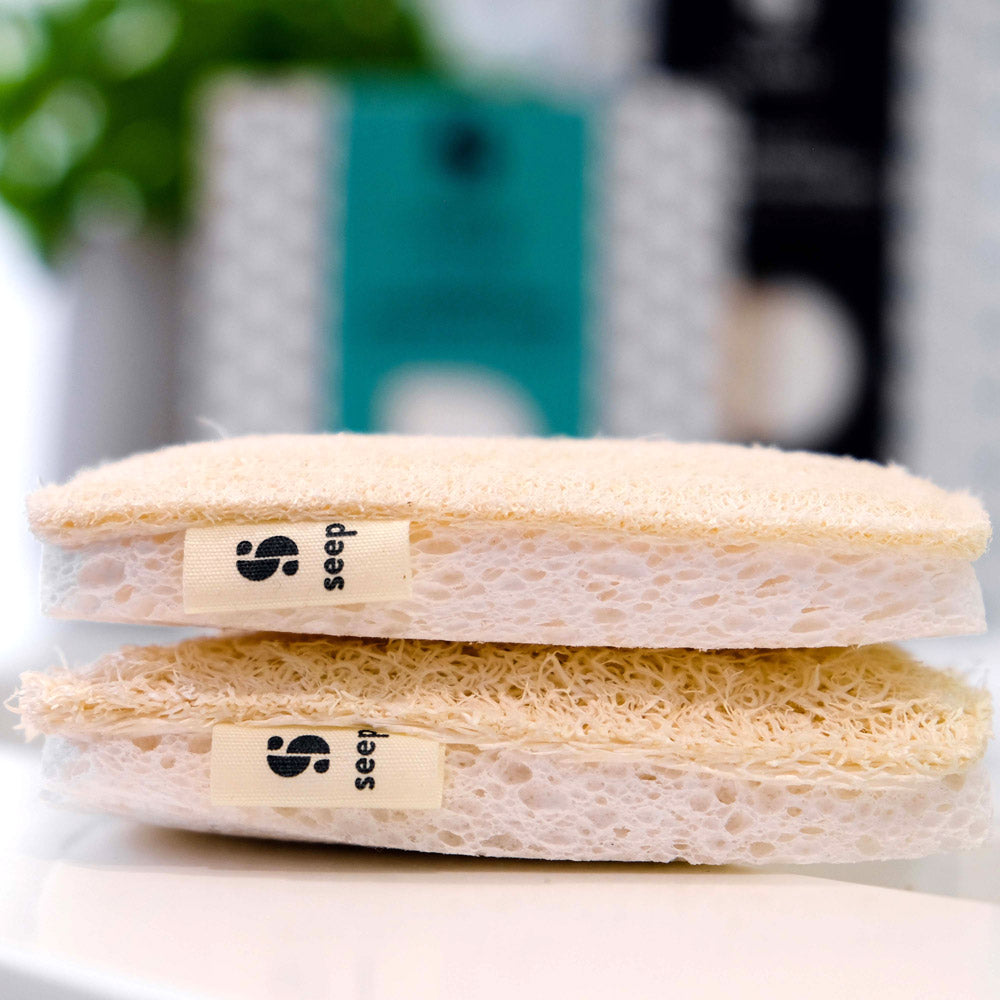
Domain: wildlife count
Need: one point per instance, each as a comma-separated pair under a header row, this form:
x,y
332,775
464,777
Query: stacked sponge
x,y
575,649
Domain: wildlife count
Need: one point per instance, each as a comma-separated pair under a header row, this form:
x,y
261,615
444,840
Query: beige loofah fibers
x,y
868,714
722,492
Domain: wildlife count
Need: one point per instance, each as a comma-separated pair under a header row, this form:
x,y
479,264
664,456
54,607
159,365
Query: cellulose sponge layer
x,y
786,755
581,542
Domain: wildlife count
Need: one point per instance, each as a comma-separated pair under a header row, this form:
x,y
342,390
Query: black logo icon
x,y
466,150
298,755
267,558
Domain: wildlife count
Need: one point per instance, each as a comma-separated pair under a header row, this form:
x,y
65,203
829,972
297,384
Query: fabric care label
x,y
360,768
237,567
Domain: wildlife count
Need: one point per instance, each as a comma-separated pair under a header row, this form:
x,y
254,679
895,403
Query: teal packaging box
x,y
463,249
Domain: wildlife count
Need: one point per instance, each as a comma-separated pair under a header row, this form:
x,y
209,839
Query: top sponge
x,y
574,542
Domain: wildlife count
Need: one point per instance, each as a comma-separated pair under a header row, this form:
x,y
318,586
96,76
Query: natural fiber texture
x,y
480,582
514,802
845,715
723,492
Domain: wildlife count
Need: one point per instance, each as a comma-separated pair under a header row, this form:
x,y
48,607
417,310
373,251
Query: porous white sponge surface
x,y
514,802
719,492
512,582
844,716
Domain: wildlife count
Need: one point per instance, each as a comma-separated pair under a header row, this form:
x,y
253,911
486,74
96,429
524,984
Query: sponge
x,y
548,752
580,542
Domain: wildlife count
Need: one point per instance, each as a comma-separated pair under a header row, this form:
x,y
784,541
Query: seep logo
x,y
298,755
267,558
231,567
313,765
302,749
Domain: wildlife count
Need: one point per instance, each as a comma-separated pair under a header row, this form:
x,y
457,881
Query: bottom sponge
x,y
542,752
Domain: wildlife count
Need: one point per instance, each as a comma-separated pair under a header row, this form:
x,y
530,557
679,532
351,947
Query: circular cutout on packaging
x,y
793,365
454,400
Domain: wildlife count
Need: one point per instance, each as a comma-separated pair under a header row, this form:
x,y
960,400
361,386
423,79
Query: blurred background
x,y
750,220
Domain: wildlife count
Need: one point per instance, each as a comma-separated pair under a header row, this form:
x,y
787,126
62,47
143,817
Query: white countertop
x,y
94,908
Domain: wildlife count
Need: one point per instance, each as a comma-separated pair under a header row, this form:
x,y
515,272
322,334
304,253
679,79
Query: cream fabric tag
x,y
236,567
361,768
